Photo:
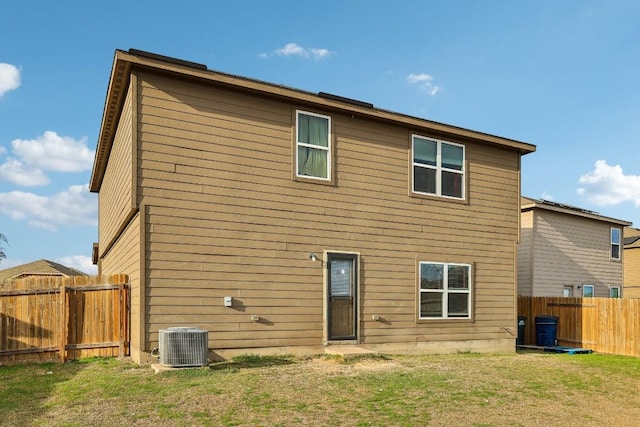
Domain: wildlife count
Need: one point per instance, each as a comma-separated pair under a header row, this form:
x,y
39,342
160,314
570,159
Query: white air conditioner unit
x,y
184,346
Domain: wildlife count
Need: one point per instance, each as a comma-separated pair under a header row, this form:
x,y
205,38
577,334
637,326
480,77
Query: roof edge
x,y
124,61
569,210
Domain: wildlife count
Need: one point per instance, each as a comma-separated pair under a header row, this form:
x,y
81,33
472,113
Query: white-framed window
x,y
567,291
615,243
587,291
444,290
614,291
313,146
437,167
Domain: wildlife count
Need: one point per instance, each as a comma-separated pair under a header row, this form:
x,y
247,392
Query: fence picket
x,y
606,325
46,318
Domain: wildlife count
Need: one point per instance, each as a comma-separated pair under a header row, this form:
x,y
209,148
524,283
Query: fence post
x,y
121,310
64,322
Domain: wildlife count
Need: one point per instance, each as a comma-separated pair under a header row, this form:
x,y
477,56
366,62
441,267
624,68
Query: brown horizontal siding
x,y
379,220
226,235
116,191
124,258
224,218
631,273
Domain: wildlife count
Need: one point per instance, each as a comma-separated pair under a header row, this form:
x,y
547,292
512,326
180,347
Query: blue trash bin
x,y
546,330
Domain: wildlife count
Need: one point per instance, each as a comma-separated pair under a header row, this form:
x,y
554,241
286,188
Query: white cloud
x,y
56,153
608,185
17,172
79,262
293,49
49,152
424,82
9,77
73,207
2,150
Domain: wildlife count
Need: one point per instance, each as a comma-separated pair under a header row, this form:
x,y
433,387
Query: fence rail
x,y
607,325
56,318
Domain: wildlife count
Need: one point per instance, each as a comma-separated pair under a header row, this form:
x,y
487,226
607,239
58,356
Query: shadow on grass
x,y
252,361
354,359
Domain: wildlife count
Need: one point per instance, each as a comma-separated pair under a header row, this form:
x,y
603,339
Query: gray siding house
x,y
568,251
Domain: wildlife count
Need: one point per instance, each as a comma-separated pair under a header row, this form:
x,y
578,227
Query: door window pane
x,y
341,278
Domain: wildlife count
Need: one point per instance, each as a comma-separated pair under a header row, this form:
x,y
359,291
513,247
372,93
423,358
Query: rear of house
x,y
283,220
568,251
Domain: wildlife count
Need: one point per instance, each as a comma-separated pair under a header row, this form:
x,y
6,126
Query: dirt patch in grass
x,y
465,389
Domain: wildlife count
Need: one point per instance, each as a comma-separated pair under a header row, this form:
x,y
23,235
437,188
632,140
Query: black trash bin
x,y
522,323
546,330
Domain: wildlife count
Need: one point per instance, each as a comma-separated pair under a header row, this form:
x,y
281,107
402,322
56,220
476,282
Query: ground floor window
x,y
587,291
444,290
614,292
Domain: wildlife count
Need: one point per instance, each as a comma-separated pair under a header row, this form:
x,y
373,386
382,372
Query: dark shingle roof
x,y
631,240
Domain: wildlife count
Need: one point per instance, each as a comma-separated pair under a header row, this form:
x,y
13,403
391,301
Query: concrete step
x,y
347,351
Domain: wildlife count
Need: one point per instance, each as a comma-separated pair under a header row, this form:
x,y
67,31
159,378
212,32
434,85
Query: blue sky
x,y
563,75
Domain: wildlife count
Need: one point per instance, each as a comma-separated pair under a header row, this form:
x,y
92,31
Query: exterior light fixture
x,y
313,257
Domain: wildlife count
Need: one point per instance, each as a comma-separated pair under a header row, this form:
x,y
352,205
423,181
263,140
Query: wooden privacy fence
x,y
64,318
607,325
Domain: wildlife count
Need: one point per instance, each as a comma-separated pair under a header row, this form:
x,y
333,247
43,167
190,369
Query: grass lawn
x,y
524,389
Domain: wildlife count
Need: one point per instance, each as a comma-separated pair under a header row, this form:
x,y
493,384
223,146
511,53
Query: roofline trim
x,y
534,204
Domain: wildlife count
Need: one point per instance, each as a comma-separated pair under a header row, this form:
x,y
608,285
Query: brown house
x,y
42,267
283,220
568,251
631,262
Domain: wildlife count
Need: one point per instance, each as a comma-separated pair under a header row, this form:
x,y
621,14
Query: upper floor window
x,y
615,243
438,167
444,291
313,146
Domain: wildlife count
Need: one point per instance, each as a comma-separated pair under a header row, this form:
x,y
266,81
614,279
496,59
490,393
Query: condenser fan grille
x,y
183,346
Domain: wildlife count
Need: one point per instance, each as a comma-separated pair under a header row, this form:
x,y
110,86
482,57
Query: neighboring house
x,y
284,220
41,267
568,251
631,262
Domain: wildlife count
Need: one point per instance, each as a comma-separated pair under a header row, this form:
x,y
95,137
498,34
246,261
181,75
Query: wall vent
x,y
184,346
